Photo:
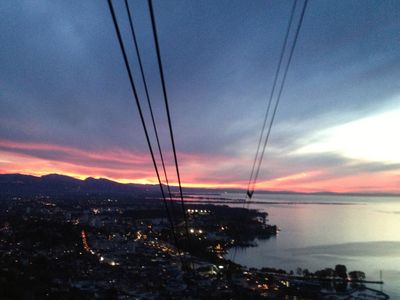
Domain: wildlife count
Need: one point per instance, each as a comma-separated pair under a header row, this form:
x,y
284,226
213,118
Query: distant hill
x,y
60,185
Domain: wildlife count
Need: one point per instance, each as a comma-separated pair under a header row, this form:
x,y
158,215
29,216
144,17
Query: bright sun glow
x,y
370,139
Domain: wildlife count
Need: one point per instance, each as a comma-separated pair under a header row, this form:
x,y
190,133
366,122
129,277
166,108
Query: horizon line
x,y
216,187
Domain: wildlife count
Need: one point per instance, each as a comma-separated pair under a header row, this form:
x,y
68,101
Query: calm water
x,y
362,233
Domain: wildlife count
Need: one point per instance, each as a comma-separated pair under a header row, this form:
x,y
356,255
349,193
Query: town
x,y
109,248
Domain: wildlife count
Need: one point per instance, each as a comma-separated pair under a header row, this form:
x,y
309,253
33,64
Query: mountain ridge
x,y
52,184
62,185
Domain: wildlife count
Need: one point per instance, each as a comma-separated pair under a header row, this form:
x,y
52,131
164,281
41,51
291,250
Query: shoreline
x,y
268,202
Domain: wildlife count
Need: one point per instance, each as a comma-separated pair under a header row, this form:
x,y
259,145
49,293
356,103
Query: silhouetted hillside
x,y
58,185
61,185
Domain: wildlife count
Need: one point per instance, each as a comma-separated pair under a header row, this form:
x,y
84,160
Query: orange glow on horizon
x,y
291,177
340,185
124,167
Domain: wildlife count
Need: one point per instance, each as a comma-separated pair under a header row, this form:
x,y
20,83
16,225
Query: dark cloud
x,y
63,81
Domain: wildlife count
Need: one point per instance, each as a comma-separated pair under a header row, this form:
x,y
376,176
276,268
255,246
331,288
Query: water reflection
x,y
364,236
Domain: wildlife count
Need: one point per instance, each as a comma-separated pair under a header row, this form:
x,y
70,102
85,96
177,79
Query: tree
x,y
325,273
341,271
306,273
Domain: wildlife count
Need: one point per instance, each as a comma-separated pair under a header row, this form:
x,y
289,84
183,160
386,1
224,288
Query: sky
x,y
66,104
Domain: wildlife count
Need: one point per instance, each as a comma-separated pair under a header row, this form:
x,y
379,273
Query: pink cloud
x,y
198,170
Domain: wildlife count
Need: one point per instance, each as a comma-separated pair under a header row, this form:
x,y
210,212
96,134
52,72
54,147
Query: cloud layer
x,y
66,106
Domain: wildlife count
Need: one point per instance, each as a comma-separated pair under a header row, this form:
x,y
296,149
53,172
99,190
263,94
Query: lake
x,y
362,233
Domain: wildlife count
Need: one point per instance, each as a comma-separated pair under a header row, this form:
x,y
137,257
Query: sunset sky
x,y
66,105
